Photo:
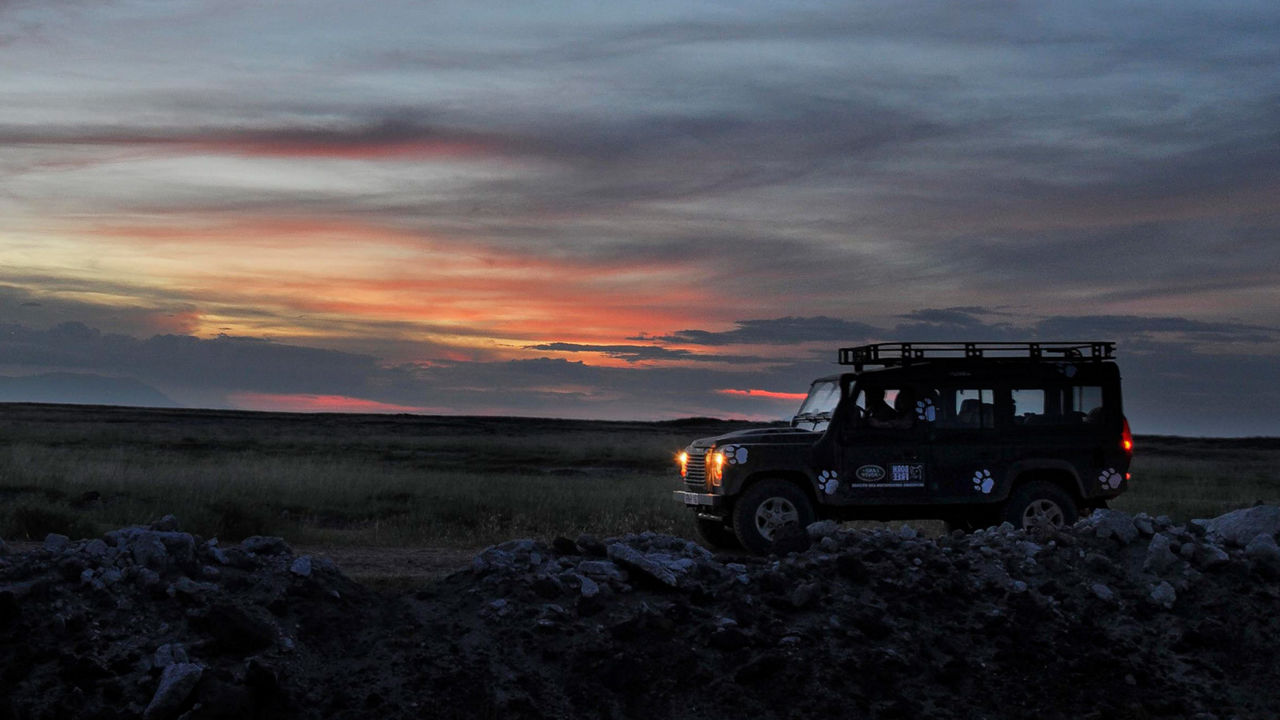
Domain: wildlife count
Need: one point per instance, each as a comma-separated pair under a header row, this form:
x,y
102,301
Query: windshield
x,y
816,409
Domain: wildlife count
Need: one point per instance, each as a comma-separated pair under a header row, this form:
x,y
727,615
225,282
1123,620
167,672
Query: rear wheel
x,y
767,507
716,534
1041,503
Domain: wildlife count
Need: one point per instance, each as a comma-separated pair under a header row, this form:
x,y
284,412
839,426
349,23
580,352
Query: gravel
x,y
1118,616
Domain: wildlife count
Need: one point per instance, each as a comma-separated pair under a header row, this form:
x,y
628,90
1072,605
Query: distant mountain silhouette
x,y
82,389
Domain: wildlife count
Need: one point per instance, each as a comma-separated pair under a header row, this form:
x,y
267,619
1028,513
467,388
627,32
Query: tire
x,y
717,535
1038,501
765,508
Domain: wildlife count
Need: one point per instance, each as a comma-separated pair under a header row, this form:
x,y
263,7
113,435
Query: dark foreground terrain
x,y
1119,616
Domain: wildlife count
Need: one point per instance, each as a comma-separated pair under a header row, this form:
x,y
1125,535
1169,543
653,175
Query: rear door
x,y
969,456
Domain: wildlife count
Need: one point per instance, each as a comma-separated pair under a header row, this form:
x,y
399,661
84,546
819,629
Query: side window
x,y
1057,406
1029,407
967,408
1087,400
893,408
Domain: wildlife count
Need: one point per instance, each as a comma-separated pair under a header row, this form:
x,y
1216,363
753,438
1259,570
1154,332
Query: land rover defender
x,y
972,433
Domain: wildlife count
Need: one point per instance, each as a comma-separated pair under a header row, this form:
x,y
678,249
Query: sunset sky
x,y
635,210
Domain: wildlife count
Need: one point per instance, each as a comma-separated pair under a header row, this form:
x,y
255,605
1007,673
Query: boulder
x,y
641,564
301,566
1113,524
156,549
1240,527
1143,522
822,529
1262,550
1160,555
265,545
602,569
169,654
168,523
176,683
53,542
1102,592
1164,595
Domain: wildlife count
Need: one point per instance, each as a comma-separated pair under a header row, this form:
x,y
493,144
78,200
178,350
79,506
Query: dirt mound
x,y
1119,616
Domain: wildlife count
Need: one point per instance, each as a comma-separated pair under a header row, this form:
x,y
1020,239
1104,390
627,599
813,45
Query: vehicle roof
x,y
987,368
889,354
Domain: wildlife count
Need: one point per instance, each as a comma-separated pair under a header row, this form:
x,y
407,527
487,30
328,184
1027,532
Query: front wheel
x,y
1041,503
715,534
767,507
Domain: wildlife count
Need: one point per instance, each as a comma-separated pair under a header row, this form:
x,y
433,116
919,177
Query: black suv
x,y
972,433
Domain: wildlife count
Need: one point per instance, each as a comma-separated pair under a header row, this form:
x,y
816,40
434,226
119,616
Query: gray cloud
x,y
395,132
779,331
181,364
148,313
1142,328
1182,376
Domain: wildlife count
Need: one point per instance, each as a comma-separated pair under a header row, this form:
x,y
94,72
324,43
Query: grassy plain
x,y
336,479
436,481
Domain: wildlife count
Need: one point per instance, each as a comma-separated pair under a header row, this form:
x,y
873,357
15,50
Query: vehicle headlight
x,y
715,467
682,459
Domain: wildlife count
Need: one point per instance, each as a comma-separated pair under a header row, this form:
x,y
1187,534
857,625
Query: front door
x,y
883,456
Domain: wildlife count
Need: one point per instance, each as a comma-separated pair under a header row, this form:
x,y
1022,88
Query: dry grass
x,y
337,479
464,482
1186,478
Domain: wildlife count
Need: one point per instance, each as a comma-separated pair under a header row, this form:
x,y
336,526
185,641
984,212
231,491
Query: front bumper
x,y
698,499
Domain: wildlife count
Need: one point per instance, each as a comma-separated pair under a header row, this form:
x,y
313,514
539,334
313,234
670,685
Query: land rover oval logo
x,y
870,473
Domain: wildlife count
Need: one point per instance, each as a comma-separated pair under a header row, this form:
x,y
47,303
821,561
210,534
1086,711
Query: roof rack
x,y
905,353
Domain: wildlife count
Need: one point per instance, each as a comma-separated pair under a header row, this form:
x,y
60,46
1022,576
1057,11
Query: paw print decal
x,y
827,481
926,411
1109,479
734,454
983,482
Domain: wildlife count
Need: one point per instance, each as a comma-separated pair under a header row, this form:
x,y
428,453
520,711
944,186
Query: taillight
x,y
1126,438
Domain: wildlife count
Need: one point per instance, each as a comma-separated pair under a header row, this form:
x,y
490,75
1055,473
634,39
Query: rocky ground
x,y
1119,616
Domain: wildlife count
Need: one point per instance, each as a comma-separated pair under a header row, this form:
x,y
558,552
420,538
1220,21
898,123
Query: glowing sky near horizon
x,y
639,211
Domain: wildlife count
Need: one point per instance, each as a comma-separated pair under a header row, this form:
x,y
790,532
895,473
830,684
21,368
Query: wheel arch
x,y
1060,473
795,477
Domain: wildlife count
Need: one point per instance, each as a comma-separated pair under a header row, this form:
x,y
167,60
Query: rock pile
x,y
154,622
1118,616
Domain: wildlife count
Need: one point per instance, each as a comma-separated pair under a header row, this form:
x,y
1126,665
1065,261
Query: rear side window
x,y
967,408
1070,405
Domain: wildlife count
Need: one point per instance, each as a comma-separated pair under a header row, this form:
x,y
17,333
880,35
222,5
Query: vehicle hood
x,y
759,436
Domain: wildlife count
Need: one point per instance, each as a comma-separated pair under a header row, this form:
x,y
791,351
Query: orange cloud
x,y
306,403
772,395
306,277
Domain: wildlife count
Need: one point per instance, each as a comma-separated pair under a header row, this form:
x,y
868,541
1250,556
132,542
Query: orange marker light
x,y
715,468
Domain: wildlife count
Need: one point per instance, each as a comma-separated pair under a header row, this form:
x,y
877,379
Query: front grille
x,y
695,478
